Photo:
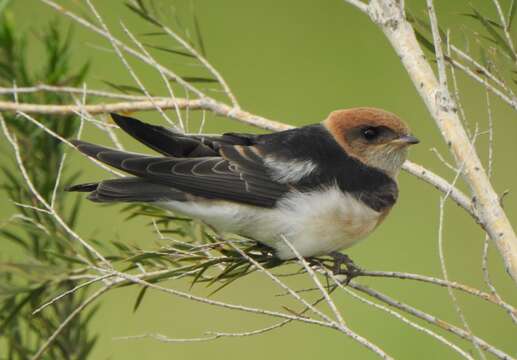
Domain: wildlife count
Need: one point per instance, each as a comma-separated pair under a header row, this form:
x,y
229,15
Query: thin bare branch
x,y
441,254
203,61
126,64
437,41
65,141
507,99
69,90
456,89
431,319
127,49
401,318
317,282
280,283
164,78
455,302
441,184
39,197
58,179
506,28
69,318
207,301
442,159
69,292
443,283
484,71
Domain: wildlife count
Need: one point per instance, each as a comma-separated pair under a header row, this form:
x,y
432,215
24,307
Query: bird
x,y
308,191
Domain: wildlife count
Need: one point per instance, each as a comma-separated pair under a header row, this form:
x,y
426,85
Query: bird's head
x,y
376,137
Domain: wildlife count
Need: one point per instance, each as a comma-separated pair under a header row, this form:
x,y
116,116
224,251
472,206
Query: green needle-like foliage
x,y
43,266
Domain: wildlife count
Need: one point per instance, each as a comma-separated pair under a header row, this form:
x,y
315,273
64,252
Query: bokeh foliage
x,y
46,249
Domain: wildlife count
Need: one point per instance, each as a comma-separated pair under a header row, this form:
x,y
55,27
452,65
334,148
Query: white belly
x,y
315,223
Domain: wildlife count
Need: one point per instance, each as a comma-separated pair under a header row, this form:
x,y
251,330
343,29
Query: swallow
x,y
322,187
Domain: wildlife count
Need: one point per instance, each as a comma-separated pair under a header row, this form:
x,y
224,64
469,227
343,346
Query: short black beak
x,y
408,139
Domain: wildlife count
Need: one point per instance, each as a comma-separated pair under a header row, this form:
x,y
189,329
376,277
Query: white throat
x,y
389,161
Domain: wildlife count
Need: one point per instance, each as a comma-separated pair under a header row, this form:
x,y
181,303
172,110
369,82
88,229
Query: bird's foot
x,y
350,270
264,250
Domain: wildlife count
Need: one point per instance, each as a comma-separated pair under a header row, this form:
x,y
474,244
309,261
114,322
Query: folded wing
x,y
232,172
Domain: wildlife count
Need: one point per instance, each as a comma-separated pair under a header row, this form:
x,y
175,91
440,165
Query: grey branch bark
x,y
389,16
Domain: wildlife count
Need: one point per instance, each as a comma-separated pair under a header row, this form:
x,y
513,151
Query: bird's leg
x,y
351,270
314,262
268,253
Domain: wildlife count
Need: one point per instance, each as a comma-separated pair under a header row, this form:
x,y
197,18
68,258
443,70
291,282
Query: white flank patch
x,y
315,223
289,171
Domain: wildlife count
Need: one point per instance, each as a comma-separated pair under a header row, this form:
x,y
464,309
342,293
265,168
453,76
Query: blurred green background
x,y
295,61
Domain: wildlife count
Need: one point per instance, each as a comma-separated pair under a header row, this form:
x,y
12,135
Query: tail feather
x,y
129,189
87,187
163,140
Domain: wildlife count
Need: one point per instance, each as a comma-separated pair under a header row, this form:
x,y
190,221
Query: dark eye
x,y
370,133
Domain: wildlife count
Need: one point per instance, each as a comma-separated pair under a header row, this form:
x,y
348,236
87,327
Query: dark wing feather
x,y
132,189
170,143
161,139
233,176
